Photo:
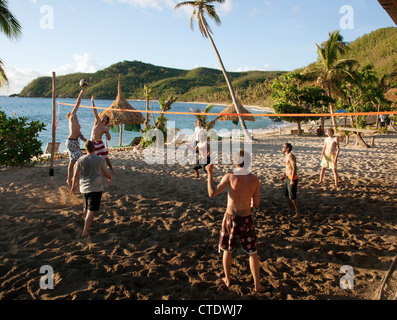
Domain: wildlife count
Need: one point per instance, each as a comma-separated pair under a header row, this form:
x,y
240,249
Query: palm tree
x,y
10,26
208,126
200,9
330,69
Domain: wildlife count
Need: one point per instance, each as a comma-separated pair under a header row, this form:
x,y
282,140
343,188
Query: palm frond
x,y
3,76
9,25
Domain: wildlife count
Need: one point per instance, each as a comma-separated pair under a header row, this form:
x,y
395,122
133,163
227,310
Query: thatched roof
x,y
391,95
231,109
122,117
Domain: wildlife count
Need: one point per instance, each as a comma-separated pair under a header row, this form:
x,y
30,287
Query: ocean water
x,y
41,109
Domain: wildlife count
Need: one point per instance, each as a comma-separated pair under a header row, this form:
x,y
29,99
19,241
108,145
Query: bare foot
x,y
84,235
227,282
320,182
69,182
297,216
261,289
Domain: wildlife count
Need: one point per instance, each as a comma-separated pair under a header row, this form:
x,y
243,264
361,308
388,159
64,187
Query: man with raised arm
x,y
100,128
243,193
72,142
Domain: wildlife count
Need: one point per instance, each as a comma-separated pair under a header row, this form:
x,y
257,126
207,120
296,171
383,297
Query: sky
x,y
68,36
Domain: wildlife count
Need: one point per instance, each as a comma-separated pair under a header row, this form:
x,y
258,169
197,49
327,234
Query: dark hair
x,y
289,146
89,146
107,120
241,158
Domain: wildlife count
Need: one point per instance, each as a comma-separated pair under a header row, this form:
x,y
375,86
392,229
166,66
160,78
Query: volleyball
x,y
83,83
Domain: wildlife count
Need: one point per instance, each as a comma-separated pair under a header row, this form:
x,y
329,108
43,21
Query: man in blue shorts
x,y
72,142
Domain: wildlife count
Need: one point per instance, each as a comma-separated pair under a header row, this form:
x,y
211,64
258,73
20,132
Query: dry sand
x,y
157,234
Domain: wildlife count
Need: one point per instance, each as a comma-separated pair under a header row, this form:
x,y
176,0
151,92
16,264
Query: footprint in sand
x,y
62,198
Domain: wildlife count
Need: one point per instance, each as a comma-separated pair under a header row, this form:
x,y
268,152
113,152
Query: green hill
x,y
188,85
378,48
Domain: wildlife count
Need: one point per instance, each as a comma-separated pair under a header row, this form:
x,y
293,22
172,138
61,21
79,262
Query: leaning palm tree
x,y
10,26
200,9
331,70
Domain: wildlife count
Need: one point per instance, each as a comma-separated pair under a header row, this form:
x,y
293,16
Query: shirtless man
x,y
243,193
291,179
329,155
100,128
72,142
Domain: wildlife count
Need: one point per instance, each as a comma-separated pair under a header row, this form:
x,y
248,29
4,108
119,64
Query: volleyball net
x,y
335,114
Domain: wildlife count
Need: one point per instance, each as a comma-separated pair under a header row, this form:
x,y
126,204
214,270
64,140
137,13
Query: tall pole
x,y
53,126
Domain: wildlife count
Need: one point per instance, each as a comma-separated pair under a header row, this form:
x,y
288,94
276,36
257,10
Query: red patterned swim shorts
x,y
234,227
100,149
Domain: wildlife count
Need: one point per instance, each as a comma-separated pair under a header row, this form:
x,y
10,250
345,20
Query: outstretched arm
x,y
78,101
212,190
97,119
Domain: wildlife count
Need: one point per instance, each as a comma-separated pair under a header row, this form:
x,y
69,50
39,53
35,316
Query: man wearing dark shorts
x,y
291,179
89,170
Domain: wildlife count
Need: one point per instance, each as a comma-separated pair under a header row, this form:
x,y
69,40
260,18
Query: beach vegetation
x,y
366,94
290,95
331,70
19,140
203,8
11,28
159,125
208,125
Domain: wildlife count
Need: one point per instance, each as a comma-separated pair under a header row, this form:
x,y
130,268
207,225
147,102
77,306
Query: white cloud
x,y
82,63
226,7
265,67
160,5
147,4
18,79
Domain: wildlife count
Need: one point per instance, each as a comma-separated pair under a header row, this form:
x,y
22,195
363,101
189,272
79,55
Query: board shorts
x,y
234,227
200,165
92,201
100,149
328,161
290,191
73,147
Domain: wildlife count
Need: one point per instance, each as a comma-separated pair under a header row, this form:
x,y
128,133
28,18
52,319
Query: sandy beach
x,y
156,236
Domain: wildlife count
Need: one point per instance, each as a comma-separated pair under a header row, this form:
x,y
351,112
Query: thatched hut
x,y
230,110
229,117
391,95
120,117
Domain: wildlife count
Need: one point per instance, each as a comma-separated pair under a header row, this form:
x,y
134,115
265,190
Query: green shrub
x,y
19,140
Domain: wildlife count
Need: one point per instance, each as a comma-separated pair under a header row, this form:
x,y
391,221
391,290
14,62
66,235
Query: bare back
x,y
242,188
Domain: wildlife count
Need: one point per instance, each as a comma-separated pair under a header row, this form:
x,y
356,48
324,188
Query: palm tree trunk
x,y
240,118
331,107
